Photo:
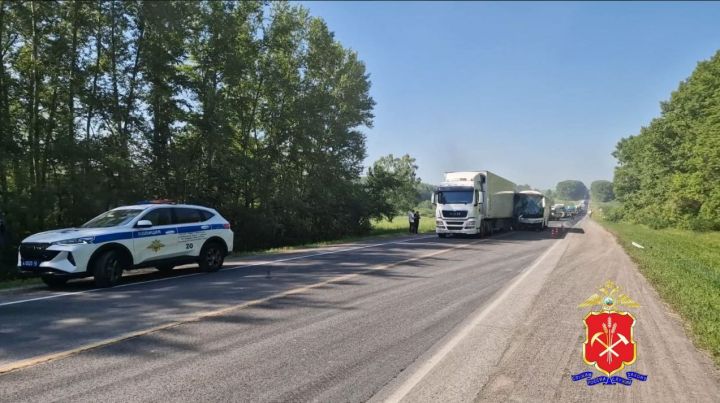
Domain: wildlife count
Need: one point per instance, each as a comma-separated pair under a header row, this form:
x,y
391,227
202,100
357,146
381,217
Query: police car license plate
x,y
30,263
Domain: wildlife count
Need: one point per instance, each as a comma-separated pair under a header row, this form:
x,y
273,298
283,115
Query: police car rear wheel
x,y
54,281
108,269
212,256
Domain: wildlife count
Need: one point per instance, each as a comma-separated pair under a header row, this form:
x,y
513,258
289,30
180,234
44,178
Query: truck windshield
x,y
112,218
455,197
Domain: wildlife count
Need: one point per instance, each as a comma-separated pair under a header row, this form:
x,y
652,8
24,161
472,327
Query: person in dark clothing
x,y
416,222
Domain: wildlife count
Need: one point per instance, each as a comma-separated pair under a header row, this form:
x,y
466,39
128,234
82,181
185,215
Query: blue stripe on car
x,y
119,236
112,237
193,228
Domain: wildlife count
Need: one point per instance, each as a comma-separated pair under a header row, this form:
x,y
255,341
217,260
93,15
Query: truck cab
x,y
473,203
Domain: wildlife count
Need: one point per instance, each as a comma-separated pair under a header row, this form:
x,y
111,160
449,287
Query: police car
x,y
161,235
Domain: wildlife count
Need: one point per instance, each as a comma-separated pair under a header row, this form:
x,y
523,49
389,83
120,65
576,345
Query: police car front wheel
x,y
107,269
212,256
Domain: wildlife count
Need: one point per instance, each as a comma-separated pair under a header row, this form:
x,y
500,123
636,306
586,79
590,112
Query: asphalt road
x,y
383,320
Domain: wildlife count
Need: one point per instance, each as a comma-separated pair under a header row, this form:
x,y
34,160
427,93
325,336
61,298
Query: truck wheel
x,y
442,235
107,269
212,256
54,281
165,268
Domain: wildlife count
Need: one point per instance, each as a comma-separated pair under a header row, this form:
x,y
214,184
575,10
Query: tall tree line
x,y
669,173
250,107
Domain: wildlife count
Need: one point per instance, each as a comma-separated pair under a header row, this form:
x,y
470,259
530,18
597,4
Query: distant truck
x,y
532,210
571,210
558,211
477,202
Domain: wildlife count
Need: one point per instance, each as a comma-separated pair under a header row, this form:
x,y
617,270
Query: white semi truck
x,y
532,209
471,203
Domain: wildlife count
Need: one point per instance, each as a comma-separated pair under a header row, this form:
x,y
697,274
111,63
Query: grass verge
x,y
380,229
19,283
684,267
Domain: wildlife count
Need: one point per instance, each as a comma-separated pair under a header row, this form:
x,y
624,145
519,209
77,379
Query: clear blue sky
x,y
536,92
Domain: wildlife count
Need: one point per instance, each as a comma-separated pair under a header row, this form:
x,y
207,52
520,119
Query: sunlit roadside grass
x,y
399,225
684,267
380,229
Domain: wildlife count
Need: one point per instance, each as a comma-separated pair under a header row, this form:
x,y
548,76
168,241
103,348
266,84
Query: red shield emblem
x,y
609,341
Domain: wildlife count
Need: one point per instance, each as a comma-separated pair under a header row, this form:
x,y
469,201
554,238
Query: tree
x,y
251,107
571,190
392,184
424,192
602,191
669,173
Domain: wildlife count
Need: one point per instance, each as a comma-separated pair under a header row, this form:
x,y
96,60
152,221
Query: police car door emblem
x,y
156,245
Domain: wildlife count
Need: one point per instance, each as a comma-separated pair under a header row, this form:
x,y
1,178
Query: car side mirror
x,y
144,224
432,197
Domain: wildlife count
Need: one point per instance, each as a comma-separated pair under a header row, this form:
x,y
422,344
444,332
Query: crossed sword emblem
x,y
609,335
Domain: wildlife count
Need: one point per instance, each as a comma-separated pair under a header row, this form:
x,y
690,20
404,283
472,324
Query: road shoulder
x,y
531,347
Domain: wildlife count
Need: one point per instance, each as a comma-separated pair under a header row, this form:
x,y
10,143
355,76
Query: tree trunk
x,y
34,103
5,134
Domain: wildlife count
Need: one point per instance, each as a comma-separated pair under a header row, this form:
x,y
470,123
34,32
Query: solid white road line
x,y
64,294
425,369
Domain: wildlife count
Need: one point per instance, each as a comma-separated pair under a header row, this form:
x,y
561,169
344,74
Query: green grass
x,y
684,267
399,225
19,283
380,229
599,207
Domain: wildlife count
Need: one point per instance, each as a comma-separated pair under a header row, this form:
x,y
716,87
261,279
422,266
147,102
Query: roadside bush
x,y
613,213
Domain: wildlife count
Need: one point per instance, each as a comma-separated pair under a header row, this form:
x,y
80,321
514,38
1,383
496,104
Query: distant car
x,y
571,210
145,235
558,211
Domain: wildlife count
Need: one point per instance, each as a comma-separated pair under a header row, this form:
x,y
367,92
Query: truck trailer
x,y
473,203
532,210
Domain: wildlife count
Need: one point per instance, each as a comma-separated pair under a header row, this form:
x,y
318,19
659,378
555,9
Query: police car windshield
x,y
112,218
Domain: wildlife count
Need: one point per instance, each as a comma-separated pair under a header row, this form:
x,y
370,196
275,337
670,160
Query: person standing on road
x,y
411,221
416,216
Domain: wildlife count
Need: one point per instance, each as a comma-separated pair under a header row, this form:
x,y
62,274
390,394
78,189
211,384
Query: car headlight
x,y
74,241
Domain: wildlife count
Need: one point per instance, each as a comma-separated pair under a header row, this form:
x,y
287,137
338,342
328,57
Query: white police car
x,y
145,235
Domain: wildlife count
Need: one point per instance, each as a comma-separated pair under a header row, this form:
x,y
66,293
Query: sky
x,y
534,92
